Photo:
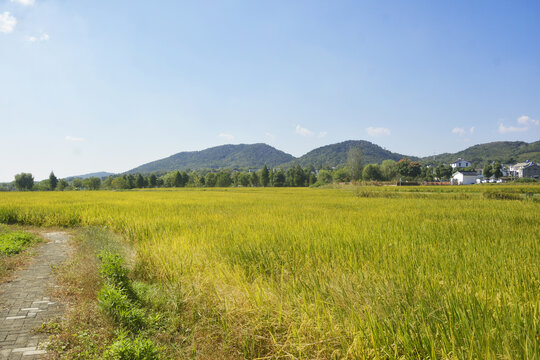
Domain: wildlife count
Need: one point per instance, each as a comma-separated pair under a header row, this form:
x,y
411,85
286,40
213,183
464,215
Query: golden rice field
x,y
372,273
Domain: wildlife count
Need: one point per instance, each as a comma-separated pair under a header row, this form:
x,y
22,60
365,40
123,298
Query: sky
x,y
89,86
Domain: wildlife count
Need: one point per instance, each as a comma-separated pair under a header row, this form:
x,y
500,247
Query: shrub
x,y
116,274
14,242
116,304
125,348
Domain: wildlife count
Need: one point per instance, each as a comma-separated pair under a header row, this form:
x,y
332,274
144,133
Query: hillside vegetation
x,y
219,157
506,152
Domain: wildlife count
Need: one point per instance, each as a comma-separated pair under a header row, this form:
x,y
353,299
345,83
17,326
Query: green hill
x,y
220,157
504,151
336,154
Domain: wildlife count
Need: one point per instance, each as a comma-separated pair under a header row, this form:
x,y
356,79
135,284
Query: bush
x,y
14,242
116,304
116,274
125,348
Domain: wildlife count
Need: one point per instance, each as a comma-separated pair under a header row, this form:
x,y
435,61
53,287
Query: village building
x,y
527,169
460,163
464,178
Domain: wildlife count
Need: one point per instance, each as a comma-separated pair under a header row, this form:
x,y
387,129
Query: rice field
x,y
370,272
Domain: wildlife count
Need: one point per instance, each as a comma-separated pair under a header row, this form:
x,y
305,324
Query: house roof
x,y
460,159
466,173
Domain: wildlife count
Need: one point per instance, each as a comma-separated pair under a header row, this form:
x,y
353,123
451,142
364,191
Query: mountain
x,y
336,154
219,157
102,174
504,151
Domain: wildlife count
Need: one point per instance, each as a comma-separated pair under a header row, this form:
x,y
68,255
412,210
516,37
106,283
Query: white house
x,y
460,163
464,178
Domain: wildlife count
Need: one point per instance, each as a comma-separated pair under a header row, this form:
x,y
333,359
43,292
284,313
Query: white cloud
x,y
461,131
525,120
7,22
511,129
269,136
228,137
24,2
373,131
303,131
73,139
322,134
42,37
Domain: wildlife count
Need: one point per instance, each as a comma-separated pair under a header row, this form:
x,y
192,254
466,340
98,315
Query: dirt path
x,y
25,301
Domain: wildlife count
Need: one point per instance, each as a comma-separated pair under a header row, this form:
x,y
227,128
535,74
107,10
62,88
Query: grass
x,y
12,243
374,273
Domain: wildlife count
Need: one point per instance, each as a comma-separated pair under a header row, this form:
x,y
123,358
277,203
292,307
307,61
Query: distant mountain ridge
x,y
219,157
101,174
336,154
244,156
503,151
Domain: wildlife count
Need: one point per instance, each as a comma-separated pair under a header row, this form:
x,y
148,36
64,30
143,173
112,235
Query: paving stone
x,y
25,303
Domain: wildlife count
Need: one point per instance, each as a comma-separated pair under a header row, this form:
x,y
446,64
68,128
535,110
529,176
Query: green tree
x,y
53,180
254,179
354,162
487,171
245,179
265,176
342,175
62,185
24,181
388,169
415,169
210,179
139,183
93,183
402,167
279,178
372,172
223,179
77,184
152,180
324,177
496,168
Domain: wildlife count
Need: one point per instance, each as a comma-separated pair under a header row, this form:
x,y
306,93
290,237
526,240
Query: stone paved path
x,y
25,303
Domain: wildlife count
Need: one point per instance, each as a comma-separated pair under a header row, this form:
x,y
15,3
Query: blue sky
x,y
108,85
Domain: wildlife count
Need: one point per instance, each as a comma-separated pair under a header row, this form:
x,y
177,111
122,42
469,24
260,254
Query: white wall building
x,y
464,178
460,163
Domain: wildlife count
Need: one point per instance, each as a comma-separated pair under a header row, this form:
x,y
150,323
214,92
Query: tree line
x,y
296,176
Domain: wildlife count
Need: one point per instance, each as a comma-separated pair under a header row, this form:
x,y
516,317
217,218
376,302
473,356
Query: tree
x,y
402,167
139,183
354,162
487,172
497,172
210,179
265,176
24,181
388,169
223,179
77,183
93,183
372,172
62,185
152,180
342,175
279,178
324,177
244,179
53,181
254,179
415,169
